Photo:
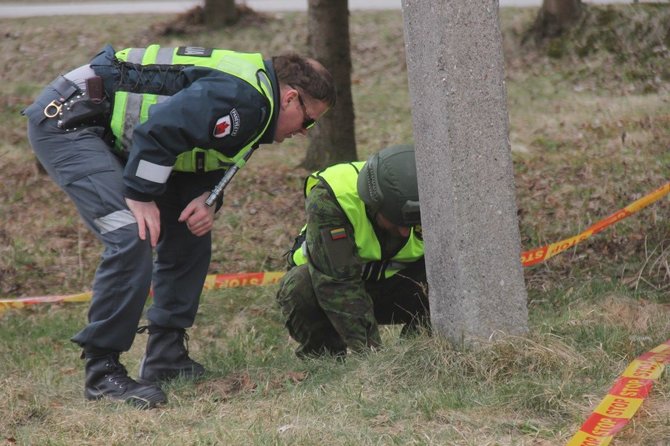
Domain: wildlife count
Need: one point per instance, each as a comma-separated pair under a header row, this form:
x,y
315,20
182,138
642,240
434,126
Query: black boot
x,y
166,356
106,377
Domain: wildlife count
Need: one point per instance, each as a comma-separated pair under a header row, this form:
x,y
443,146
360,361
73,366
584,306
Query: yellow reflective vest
x,y
341,179
131,109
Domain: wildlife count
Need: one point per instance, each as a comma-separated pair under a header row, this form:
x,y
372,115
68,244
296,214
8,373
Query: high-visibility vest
x,y
341,179
131,109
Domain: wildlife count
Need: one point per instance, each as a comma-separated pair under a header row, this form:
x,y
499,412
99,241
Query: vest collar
x,y
268,136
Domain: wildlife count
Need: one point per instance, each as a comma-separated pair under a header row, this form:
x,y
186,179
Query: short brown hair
x,y
306,74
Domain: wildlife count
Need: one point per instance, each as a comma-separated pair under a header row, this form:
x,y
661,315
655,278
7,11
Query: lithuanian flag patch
x,y
337,234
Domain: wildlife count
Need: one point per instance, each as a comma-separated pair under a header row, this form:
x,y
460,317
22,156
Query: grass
x,y
586,141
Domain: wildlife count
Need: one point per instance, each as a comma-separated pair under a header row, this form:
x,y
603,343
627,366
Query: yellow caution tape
x,y
623,399
528,258
212,282
537,255
215,281
6,304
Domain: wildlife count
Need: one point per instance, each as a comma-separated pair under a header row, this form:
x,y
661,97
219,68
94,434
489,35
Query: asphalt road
x,y
12,10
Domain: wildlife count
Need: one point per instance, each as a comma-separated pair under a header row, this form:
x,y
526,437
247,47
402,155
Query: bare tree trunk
x,y
333,139
218,13
556,16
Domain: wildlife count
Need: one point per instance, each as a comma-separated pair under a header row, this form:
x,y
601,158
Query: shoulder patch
x,y
338,233
222,127
337,248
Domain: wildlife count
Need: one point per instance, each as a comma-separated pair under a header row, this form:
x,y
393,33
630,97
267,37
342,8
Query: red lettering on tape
x,y
632,387
590,441
646,369
617,408
603,426
534,256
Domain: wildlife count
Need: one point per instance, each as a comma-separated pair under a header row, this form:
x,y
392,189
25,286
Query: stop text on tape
x,y
623,399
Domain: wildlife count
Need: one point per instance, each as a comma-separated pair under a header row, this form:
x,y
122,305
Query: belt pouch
x,y
90,108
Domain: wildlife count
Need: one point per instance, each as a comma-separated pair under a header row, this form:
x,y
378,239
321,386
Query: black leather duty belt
x,y
65,89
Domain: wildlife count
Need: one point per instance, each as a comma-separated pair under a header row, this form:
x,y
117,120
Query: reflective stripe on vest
x,y
131,109
342,180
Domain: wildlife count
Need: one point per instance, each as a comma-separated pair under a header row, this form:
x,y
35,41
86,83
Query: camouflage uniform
x,y
327,304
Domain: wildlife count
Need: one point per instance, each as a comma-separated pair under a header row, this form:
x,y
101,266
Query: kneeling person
x,y
358,262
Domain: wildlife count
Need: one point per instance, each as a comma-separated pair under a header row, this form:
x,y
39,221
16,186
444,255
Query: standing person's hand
x,y
148,219
198,216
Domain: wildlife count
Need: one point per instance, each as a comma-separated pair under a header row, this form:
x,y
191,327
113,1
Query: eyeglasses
x,y
308,122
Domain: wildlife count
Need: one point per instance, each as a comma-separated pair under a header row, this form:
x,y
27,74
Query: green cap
x,y
387,184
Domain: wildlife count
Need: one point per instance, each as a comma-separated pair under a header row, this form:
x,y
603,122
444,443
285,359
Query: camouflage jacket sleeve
x,y
335,269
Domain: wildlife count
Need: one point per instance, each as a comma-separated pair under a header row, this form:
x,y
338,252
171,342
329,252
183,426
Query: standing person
x,y
137,139
358,261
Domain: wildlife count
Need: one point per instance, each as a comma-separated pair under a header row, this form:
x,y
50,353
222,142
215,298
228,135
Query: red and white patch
x,y
222,127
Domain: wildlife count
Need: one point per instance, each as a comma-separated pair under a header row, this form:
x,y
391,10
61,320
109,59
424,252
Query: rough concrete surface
x,y
466,183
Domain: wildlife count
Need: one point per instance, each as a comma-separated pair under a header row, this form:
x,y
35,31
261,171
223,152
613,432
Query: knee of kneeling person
x,y
295,289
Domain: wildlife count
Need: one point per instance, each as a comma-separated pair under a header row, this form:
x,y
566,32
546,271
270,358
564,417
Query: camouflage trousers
x,y
401,299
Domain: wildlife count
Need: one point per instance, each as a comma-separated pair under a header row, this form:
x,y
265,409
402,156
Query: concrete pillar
x,y
468,208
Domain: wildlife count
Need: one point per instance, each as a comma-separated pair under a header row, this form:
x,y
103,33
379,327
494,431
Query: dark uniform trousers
x,y
82,164
400,299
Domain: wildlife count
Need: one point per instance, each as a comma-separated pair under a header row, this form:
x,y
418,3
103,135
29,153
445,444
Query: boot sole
x,y
154,400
